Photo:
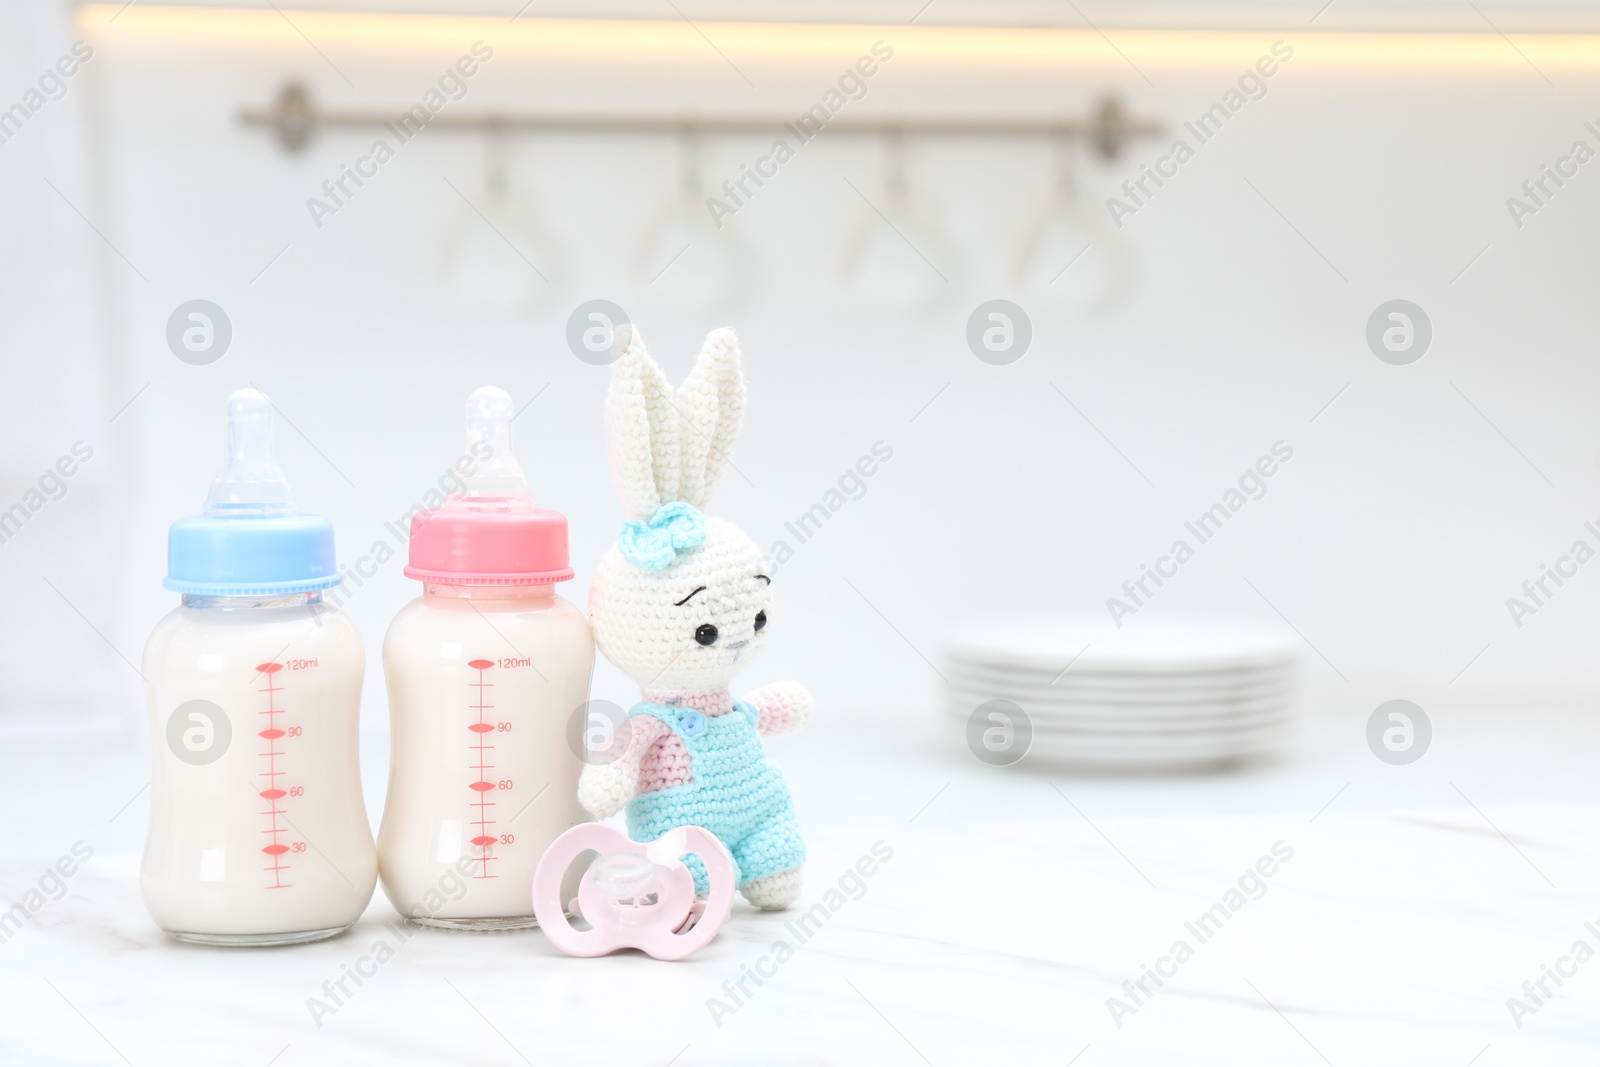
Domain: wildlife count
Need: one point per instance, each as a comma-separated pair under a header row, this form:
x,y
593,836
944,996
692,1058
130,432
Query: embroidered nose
x,y
736,645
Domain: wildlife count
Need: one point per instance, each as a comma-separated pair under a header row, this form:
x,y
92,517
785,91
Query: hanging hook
x,y
894,146
1065,147
689,160
495,180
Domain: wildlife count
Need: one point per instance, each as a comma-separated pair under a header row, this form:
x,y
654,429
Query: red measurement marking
x,y
273,793
480,749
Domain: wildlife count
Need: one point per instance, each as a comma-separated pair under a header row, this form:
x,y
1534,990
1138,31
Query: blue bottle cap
x,y
251,540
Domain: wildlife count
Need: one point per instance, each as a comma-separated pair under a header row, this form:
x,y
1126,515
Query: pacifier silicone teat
x,y
636,895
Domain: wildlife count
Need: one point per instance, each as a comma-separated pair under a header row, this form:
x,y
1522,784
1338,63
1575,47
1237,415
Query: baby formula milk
x,y
258,833
487,670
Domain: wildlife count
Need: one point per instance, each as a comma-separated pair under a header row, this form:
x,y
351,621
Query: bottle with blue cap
x,y
258,831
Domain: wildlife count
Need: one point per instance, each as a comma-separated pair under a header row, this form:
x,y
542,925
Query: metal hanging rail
x,y
294,120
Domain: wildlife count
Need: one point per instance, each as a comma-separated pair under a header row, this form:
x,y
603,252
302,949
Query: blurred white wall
x,y
1414,505
61,522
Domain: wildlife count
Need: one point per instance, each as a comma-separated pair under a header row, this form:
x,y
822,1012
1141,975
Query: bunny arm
x,y
781,707
603,788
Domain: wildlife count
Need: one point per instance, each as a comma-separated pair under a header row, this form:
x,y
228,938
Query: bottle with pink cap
x,y
485,670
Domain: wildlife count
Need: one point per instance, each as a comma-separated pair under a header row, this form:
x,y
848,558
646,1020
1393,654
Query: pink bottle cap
x,y
492,534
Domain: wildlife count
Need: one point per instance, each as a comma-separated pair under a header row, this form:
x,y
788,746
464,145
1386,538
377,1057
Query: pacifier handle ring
x,y
549,910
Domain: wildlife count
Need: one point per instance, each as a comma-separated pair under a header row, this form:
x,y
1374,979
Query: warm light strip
x,y
960,45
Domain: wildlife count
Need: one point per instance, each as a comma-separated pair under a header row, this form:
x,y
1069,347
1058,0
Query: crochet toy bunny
x,y
680,603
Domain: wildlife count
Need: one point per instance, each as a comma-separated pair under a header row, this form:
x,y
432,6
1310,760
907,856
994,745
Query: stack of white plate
x,y
1152,696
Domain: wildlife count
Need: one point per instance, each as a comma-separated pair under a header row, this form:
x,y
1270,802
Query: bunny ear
x,y
710,406
641,432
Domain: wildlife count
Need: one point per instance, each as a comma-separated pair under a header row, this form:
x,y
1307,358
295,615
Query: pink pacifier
x,y
636,895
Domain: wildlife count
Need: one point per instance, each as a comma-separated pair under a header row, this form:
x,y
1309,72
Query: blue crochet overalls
x,y
736,793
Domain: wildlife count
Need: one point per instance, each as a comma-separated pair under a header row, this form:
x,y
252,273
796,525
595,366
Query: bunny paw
x,y
603,789
784,707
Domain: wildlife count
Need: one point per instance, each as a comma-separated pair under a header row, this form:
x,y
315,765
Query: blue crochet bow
x,y
655,544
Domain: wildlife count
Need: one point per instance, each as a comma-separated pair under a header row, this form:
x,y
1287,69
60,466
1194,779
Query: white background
x,y
1391,541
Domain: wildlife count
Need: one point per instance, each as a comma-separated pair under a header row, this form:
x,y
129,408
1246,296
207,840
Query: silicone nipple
x,y
627,879
499,474
250,484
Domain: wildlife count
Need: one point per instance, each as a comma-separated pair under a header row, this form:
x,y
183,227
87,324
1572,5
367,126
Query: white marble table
x,y
1016,903
1386,938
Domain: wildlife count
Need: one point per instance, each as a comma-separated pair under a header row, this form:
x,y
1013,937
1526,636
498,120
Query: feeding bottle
x,y
486,670
258,832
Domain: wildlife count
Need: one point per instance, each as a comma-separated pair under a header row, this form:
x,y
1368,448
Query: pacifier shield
x,y
636,895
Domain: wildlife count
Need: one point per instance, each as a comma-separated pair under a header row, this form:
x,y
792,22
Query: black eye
x,y
761,619
706,634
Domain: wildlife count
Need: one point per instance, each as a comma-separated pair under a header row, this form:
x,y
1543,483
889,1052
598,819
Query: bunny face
x,y
680,603
689,627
